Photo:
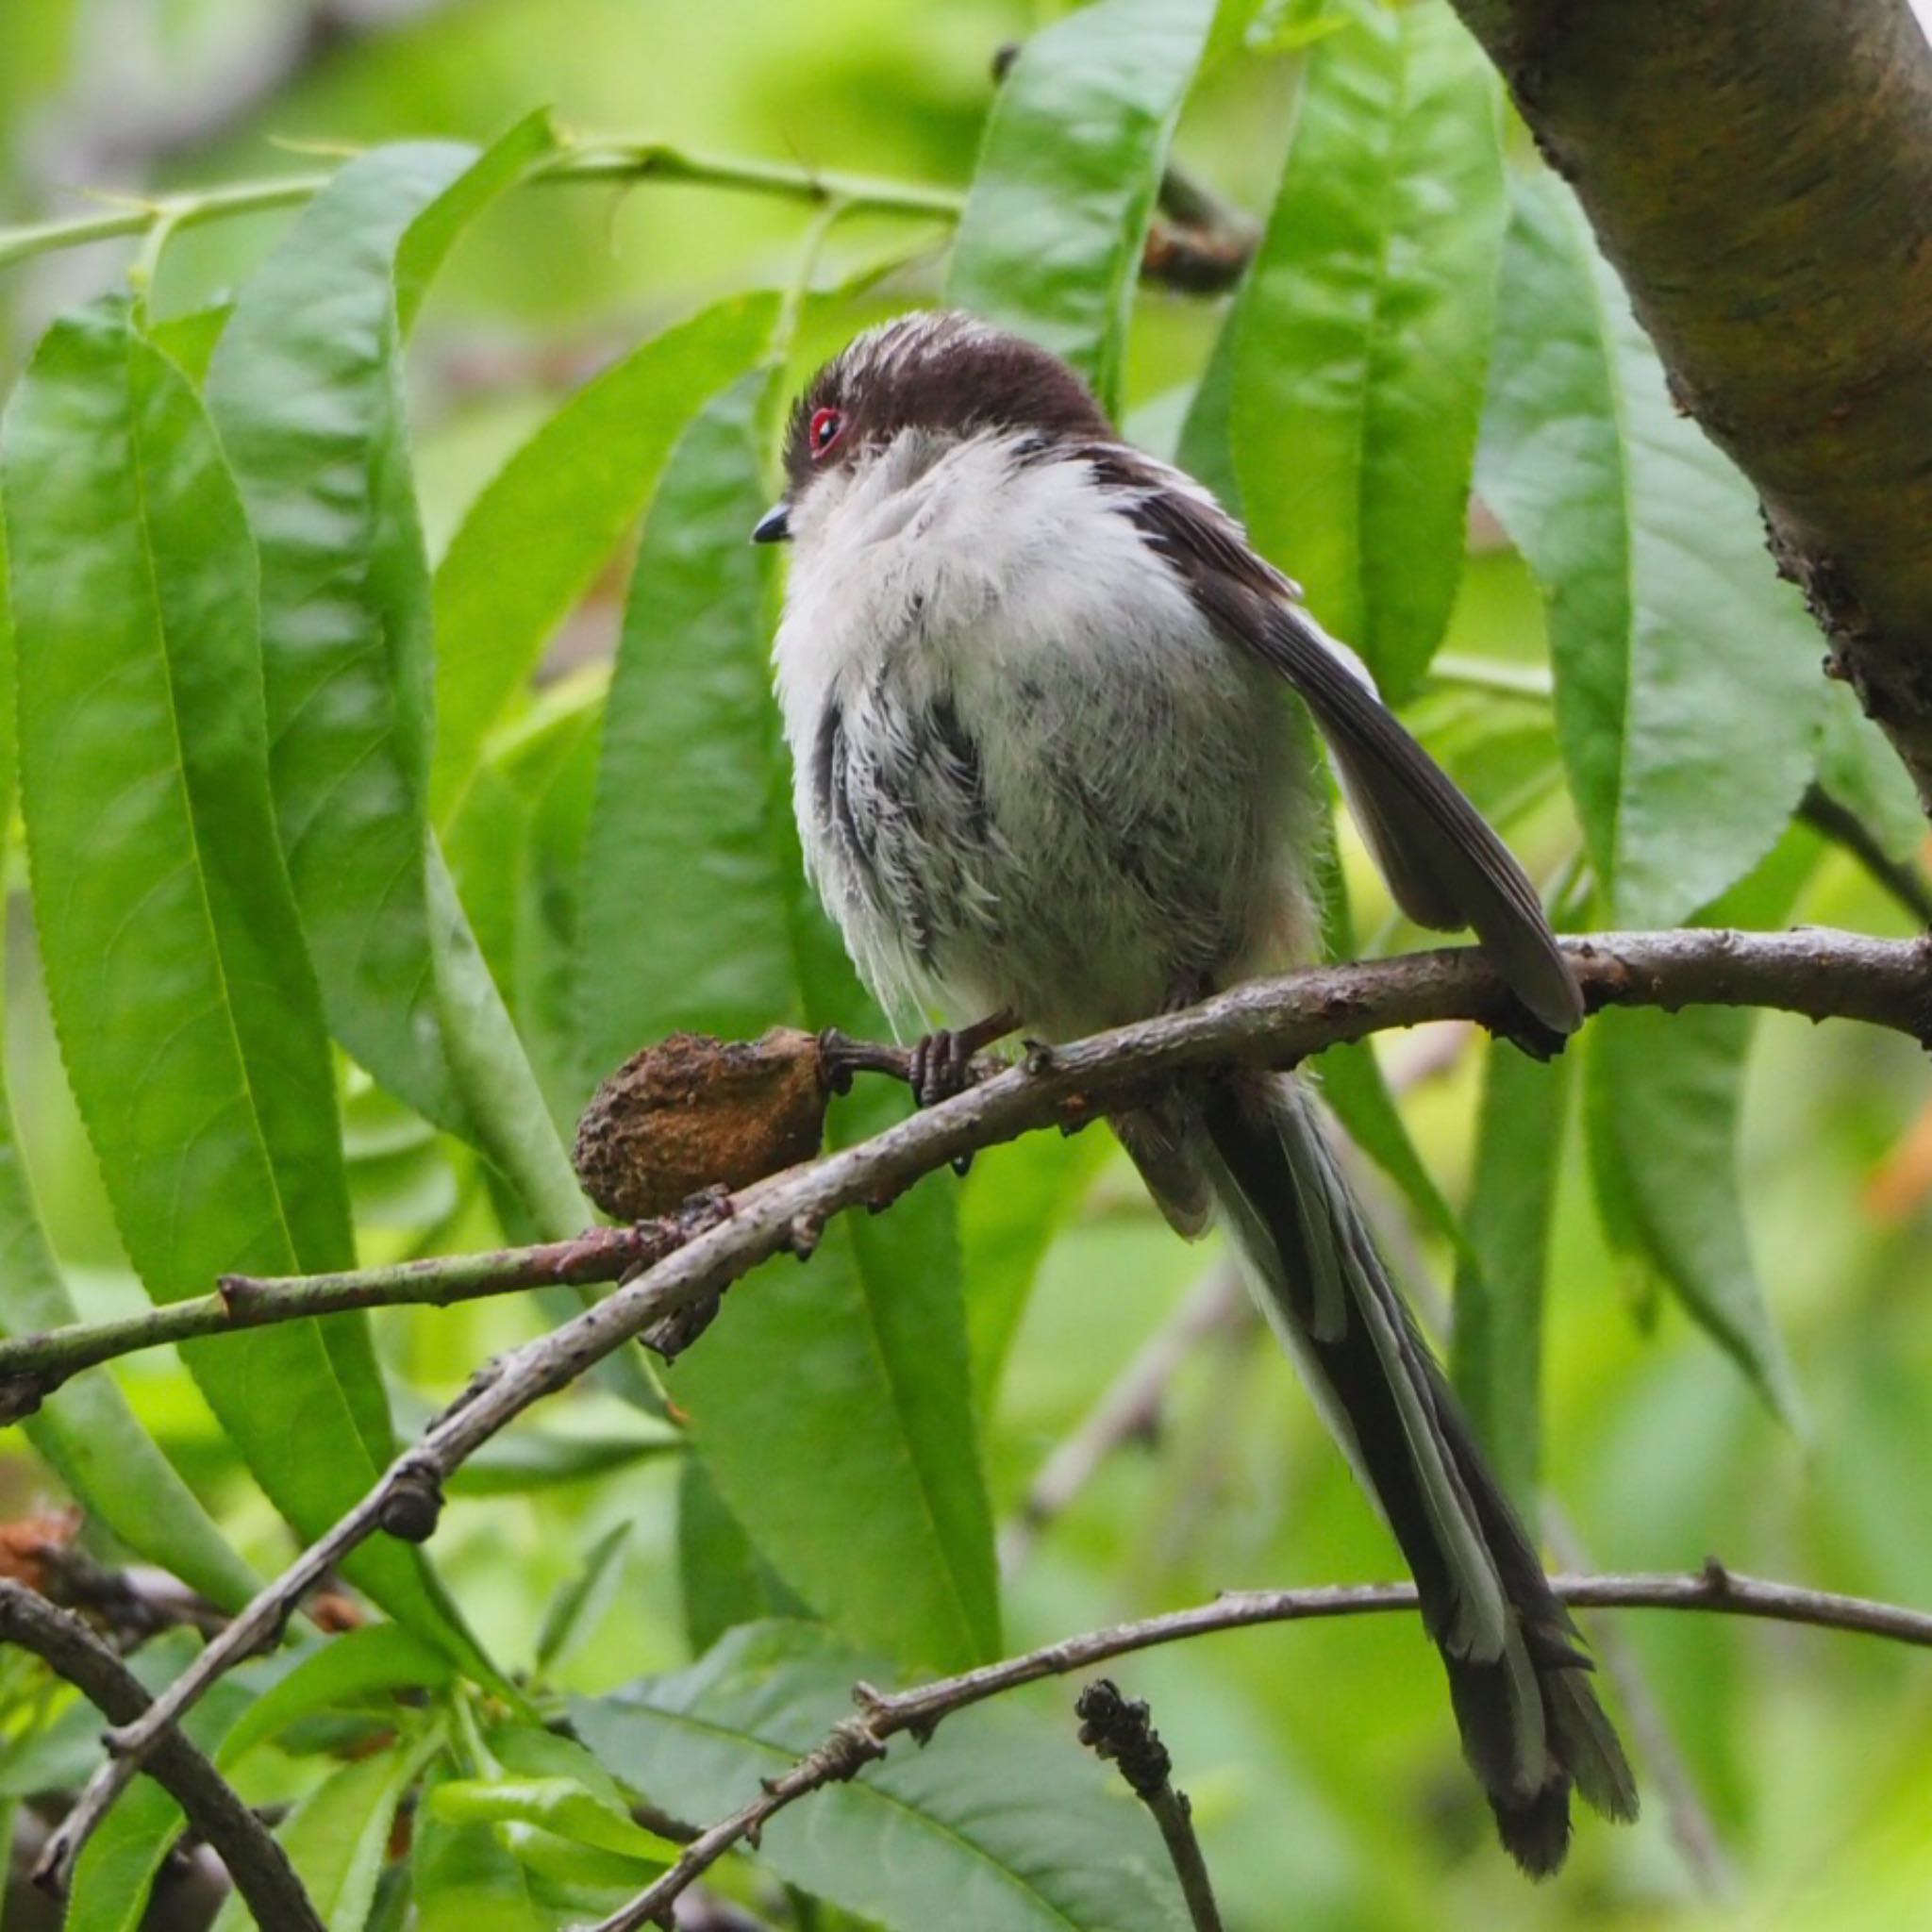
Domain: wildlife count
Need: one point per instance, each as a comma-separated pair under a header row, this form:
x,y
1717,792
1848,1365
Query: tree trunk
x,y
1760,172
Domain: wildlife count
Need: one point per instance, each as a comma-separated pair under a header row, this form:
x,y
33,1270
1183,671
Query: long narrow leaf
x,y
306,387
1050,241
188,1019
338,1838
1664,1093
1673,640
854,1468
85,1430
1362,333
550,519
1499,1295
306,390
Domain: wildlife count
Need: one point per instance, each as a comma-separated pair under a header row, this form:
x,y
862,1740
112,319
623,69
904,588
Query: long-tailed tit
x,y
1037,688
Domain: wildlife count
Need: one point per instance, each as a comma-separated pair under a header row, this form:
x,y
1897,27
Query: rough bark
x,y
1760,172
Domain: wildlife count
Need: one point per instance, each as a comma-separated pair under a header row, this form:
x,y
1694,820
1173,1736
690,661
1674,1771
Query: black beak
x,y
775,527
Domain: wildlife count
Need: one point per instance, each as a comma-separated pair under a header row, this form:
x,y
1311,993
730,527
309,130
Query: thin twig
x,y
618,160
1120,1731
255,1862
33,1366
1198,261
882,1716
1268,1021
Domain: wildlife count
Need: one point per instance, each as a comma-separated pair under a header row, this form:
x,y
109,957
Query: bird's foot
x,y
940,1064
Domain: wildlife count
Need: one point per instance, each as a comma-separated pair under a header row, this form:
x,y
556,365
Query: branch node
x,y
804,1233
413,1505
21,1395
241,1295
871,1701
1120,1730
668,1338
850,1747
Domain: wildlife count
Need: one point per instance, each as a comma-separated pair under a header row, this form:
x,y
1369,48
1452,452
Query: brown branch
x,y
882,1716
1268,1021
33,1366
1814,972
255,1862
1120,1731
1762,177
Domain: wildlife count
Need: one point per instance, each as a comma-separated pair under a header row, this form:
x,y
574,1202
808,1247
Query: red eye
x,y
827,427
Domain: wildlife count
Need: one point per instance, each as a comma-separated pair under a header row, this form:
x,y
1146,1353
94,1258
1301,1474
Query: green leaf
x,y
1858,767
465,1879
85,1430
337,1840
576,1609
516,848
1050,240
188,1016
562,1816
1673,640
723,1580
688,840
561,1805
999,1822
1497,1356
536,537
1206,449
306,387
1664,1092
1363,331
189,340
339,1673
854,1471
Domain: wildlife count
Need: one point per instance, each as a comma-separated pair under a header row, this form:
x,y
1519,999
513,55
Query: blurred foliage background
x,y
1322,1761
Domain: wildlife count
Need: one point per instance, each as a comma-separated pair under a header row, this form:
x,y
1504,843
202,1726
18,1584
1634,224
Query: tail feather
x,y
1519,1680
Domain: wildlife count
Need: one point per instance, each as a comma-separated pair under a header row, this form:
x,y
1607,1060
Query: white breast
x,y
1132,763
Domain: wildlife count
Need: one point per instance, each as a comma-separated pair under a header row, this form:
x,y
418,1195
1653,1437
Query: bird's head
x,y
909,388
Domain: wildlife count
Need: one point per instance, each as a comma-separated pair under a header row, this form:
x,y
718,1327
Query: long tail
x,y
1520,1681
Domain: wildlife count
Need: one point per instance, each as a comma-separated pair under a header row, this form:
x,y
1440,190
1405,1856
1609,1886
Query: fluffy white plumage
x,y
1140,809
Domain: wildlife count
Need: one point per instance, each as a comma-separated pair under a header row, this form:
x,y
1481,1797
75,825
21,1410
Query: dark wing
x,y
1444,865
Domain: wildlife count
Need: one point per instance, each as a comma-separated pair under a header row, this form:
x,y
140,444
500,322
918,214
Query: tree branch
x,y
857,1741
1815,972
255,1862
1267,1022
33,1366
1762,177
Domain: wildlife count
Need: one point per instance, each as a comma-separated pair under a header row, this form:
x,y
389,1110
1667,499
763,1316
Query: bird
x,y
1051,720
